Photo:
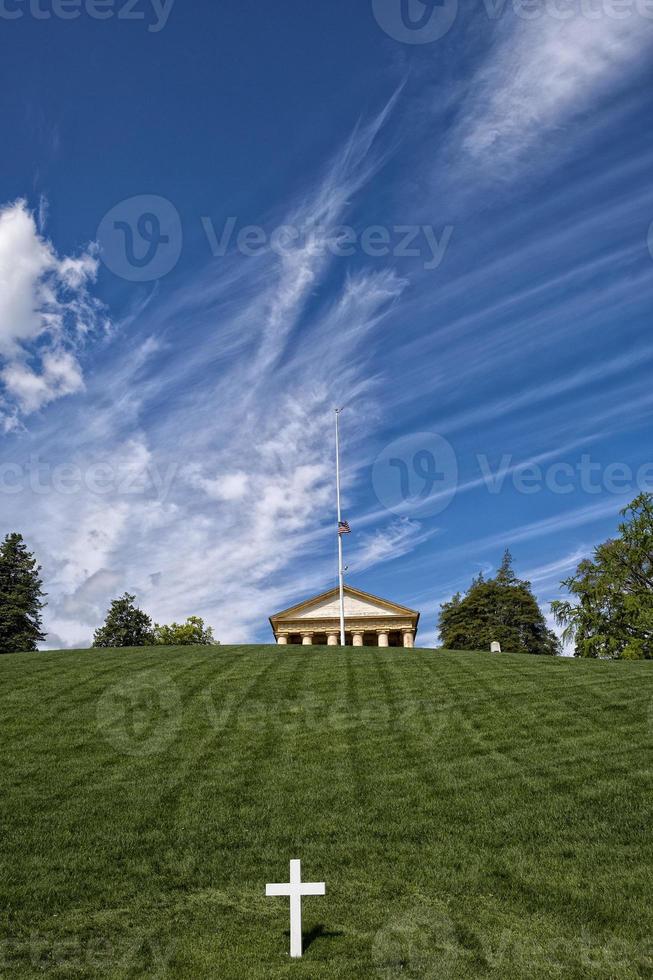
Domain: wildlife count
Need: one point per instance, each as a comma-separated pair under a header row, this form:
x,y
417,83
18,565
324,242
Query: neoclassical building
x,y
369,621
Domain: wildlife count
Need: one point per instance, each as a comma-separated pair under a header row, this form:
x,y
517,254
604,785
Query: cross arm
x,y
313,888
277,890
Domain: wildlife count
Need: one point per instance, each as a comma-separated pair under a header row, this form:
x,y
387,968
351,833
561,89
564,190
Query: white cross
x,y
295,889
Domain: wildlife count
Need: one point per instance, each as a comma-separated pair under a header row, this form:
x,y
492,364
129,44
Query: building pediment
x,y
358,605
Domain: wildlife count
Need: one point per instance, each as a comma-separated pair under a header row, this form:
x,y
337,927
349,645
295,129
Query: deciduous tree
x,y
191,633
610,613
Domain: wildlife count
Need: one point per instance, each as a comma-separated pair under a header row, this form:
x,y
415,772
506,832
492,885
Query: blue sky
x,y
219,221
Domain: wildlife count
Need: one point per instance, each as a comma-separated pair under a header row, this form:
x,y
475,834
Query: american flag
x,y
343,527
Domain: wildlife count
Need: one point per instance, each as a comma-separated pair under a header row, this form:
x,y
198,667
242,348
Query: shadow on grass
x,y
319,931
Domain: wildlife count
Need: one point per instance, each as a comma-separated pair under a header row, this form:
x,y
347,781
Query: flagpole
x,y
341,573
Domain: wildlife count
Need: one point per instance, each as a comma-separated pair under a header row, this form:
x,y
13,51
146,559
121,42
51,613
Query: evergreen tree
x,y
125,625
501,608
506,574
20,597
612,612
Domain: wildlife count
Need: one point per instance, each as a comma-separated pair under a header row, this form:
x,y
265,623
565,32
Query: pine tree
x,y
125,625
20,597
501,608
506,574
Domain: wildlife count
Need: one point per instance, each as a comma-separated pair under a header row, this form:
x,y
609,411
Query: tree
x,y
502,608
20,597
191,633
611,613
125,625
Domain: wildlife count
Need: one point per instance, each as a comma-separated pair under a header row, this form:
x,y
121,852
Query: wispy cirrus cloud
x,y
212,408
578,517
551,572
321,211
228,459
391,542
541,72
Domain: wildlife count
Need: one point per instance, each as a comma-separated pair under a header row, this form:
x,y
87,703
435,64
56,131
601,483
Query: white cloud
x,y
221,500
246,523
321,212
228,486
540,74
60,375
553,571
26,262
86,604
45,310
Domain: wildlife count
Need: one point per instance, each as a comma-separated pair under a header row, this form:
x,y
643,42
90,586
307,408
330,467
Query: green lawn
x,y
472,815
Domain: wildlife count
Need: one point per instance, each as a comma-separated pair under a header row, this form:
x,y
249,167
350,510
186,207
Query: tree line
x,y
128,626
609,612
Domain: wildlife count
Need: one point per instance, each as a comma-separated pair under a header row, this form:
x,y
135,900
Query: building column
x,y
357,639
383,637
307,639
333,639
282,639
408,638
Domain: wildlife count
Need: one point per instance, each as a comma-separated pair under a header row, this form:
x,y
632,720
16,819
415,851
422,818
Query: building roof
x,y
357,604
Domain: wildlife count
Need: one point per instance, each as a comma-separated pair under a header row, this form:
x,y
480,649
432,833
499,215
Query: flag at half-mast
x,y
343,527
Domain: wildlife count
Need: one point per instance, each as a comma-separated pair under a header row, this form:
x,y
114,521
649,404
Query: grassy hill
x,y
473,816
